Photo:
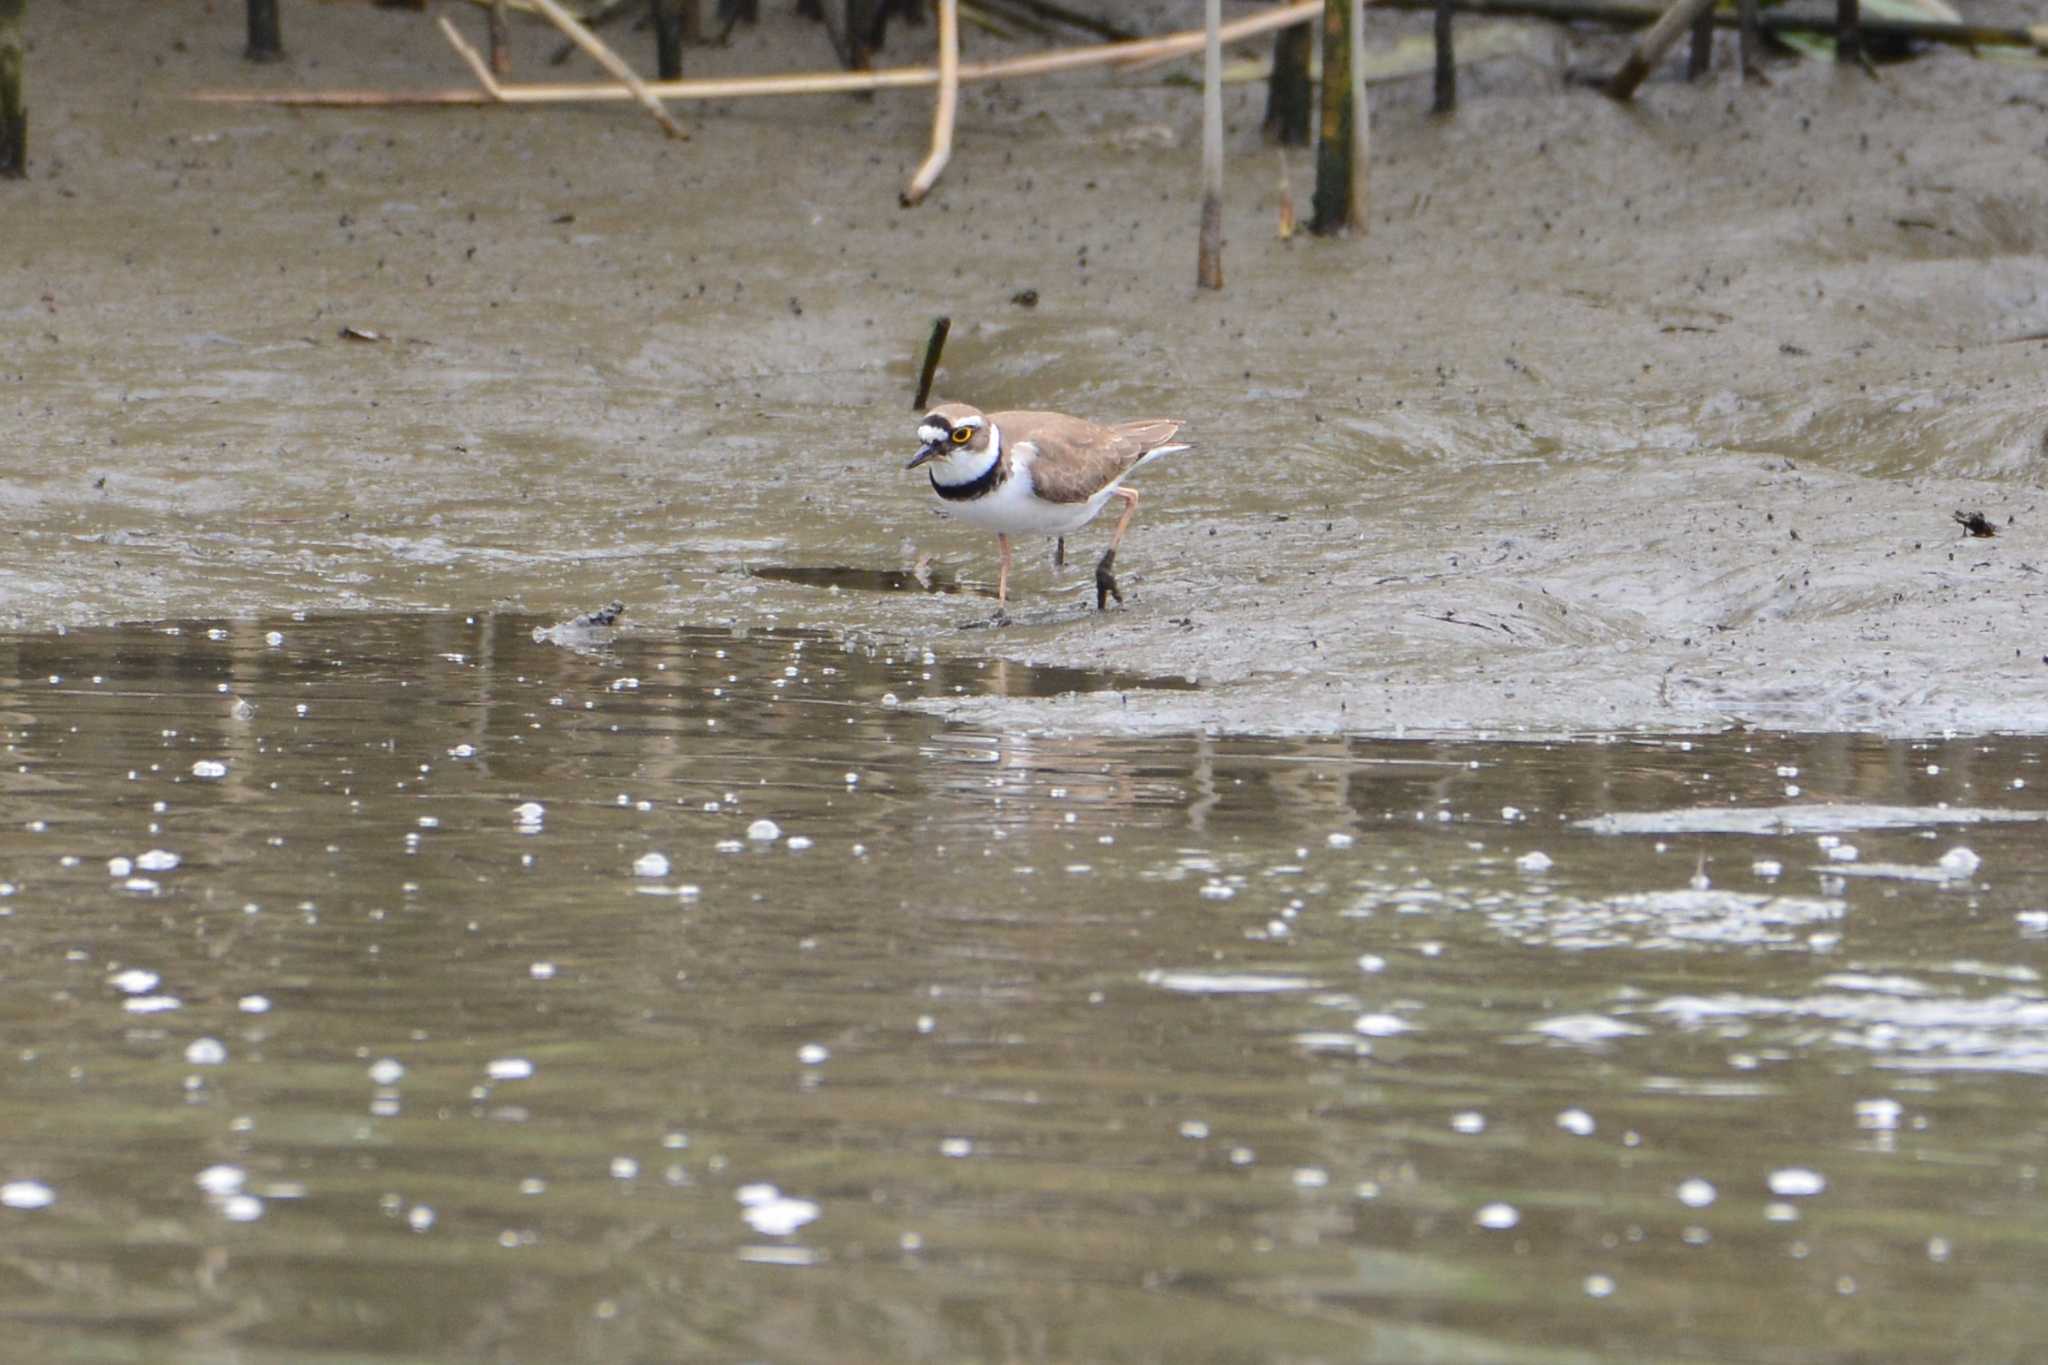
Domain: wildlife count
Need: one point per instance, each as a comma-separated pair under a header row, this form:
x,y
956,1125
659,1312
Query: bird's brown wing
x,y
1075,459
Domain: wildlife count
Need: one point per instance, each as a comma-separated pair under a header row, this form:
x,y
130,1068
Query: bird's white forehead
x,y
931,431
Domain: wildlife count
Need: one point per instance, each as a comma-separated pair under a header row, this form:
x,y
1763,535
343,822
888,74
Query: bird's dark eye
x,y
962,435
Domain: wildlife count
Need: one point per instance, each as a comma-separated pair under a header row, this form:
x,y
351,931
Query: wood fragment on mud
x,y
934,346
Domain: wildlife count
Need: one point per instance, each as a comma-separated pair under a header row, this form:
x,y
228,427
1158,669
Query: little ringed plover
x,y
1041,473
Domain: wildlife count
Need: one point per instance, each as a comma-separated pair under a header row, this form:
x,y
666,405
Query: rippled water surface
x,y
410,989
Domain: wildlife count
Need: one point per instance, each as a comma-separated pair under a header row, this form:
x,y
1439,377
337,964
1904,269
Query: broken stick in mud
x,y
932,349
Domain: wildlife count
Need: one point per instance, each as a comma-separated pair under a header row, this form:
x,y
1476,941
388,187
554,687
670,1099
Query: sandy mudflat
x,y
1620,415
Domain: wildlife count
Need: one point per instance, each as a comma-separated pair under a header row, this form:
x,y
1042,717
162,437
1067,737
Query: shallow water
x,y
999,1047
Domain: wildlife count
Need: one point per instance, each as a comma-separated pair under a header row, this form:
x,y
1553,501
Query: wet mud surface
x,y
404,988
1653,415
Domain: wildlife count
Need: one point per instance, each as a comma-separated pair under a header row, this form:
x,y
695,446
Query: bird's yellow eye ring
x,y
962,435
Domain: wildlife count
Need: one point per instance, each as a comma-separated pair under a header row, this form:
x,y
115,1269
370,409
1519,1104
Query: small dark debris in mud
x,y
605,615
1976,524
1025,298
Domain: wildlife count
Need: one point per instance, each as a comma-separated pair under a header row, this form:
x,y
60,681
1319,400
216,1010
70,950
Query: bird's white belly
x,y
1014,510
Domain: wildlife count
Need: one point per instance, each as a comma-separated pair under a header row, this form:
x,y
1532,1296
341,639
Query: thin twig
x,y
467,96
942,114
594,20
609,60
475,60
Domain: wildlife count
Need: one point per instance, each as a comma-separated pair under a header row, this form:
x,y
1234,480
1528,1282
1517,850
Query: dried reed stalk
x,y
948,102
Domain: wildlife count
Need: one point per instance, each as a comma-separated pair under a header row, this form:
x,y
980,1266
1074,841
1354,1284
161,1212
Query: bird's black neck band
x,y
982,483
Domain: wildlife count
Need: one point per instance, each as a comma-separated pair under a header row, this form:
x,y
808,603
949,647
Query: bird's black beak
x,y
928,451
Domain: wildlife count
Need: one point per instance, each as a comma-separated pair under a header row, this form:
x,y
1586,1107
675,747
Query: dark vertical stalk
x,y
1333,200
1446,63
266,40
1701,55
1849,32
1290,93
732,13
1361,124
860,33
667,18
1746,39
1209,249
934,347
13,107
500,32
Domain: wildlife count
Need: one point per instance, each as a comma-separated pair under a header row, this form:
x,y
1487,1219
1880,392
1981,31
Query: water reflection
x,y
411,988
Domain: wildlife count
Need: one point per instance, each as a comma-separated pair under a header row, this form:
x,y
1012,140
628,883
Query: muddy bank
x,y
1649,415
